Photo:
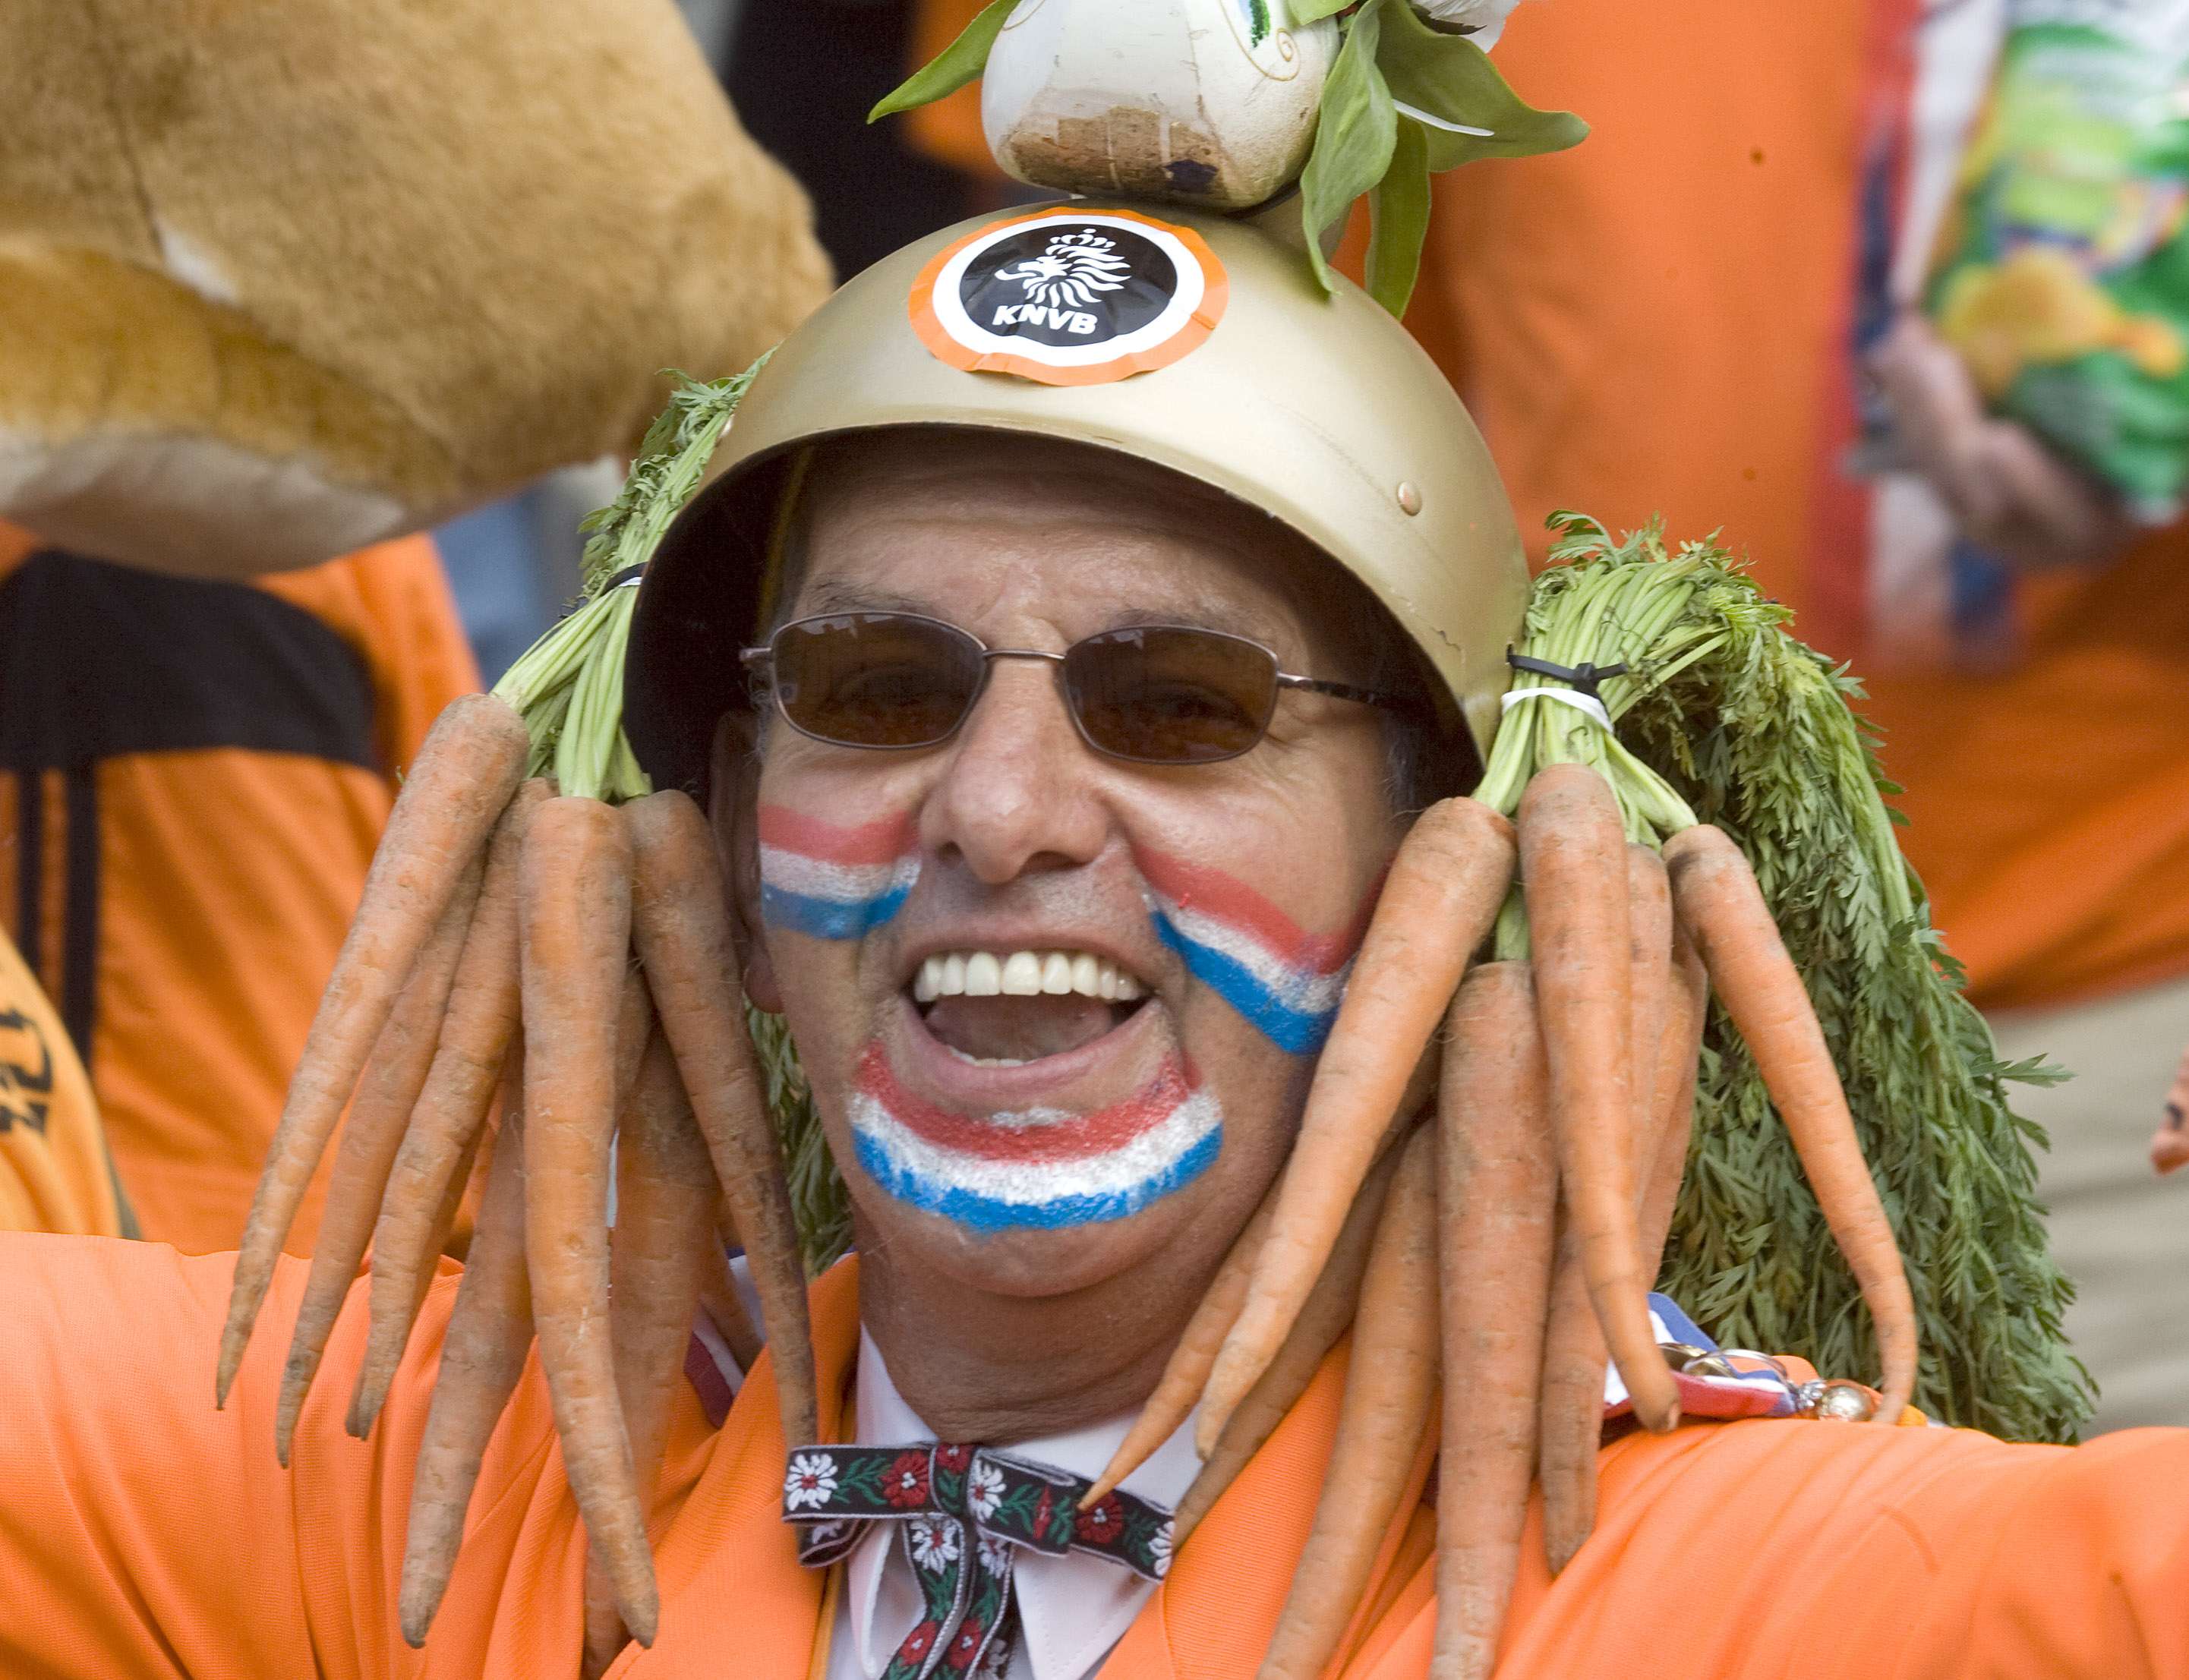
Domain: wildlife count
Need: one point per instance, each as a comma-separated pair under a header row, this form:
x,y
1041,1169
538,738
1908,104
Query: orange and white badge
x,y
1071,298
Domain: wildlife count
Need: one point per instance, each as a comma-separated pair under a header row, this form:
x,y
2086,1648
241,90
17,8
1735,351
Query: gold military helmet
x,y
1197,342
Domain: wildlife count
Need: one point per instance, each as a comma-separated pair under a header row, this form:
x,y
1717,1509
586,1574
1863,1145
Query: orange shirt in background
x,y
193,776
54,1175
149,1537
1663,321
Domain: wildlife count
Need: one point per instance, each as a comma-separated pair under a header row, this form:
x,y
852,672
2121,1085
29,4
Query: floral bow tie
x,y
962,1513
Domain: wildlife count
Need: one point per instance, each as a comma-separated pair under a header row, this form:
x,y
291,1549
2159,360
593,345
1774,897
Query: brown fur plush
x,y
281,277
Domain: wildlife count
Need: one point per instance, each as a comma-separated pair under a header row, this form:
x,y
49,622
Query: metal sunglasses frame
x,y
763,657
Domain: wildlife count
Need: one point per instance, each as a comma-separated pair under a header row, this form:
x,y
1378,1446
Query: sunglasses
x,y
1153,694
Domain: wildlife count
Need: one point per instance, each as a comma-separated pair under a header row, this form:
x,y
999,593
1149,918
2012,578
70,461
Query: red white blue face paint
x,y
1286,983
828,882
1042,1169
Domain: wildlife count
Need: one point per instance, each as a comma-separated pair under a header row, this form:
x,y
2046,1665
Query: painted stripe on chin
x,y
828,882
1041,1169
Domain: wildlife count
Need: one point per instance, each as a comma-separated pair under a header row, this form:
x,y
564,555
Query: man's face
x,y
1134,964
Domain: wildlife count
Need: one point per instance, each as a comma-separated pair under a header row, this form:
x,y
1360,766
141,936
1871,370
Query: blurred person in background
x,y
190,804
1706,311
250,319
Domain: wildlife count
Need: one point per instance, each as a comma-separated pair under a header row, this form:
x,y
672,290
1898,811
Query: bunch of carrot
x,y
1503,1250
564,943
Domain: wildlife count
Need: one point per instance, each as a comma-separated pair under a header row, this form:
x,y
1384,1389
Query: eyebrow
x,y
841,595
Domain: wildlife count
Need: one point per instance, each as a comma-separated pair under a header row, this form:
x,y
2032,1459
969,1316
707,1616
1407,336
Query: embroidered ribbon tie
x,y
961,1515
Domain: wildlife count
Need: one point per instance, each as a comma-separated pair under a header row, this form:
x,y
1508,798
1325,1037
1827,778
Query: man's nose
x,y
1016,793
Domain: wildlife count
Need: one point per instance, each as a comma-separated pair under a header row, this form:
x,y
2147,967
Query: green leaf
x,y
956,64
1306,12
1447,83
1399,220
1356,132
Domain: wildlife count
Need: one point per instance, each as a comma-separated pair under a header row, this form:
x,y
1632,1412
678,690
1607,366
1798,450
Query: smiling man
x,y
1058,1025
1060,706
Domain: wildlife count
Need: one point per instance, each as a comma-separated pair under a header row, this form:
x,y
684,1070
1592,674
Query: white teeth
x,y
1023,973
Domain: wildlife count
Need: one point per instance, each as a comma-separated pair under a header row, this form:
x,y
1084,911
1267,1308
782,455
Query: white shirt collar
x,y
1072,1610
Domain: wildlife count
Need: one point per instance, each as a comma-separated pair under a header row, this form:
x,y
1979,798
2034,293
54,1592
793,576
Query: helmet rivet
x,y
1410,497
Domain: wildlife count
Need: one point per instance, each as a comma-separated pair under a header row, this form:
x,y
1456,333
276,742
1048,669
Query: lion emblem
x,y
1070,274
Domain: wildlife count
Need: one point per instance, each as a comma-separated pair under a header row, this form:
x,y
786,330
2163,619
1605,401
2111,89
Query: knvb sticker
x,y
1071,298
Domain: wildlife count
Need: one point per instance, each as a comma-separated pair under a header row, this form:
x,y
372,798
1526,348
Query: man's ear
x,y
734,808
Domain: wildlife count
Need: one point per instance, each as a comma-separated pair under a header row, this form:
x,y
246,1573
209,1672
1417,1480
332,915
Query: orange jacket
x,y
1662,320
55,1175
145,1537
193,776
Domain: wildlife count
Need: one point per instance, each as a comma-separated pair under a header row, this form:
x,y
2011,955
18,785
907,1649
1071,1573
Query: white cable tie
x,y
1570,696
1435,122
631,582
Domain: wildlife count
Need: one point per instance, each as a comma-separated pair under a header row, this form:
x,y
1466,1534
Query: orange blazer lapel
x,y
735,1600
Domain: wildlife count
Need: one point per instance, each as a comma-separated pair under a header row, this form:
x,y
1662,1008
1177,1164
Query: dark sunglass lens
x,y
876,679
1168,695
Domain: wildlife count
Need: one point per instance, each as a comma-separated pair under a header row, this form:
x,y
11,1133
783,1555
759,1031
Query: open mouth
x,y
1006,1008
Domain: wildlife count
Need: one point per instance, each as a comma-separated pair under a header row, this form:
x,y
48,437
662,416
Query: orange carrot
x,y
377,1115
1327,1316
1723,911
1649,979
665,1196
468,1067
575,900
489,1334
724,1304
1390,1394
1497,1208
1570,1427
1572,865
470,764
1178,1390
1444,892
680,923
2170,1144
1679,1049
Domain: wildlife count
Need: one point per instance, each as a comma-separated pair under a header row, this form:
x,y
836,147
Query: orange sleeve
x,y
1802,1551
143,1535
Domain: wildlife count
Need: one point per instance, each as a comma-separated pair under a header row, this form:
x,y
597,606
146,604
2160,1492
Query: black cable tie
x,y
1583,677
628,574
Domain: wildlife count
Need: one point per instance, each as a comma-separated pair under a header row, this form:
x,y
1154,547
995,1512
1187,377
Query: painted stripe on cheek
x,y
1283,981
829,882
